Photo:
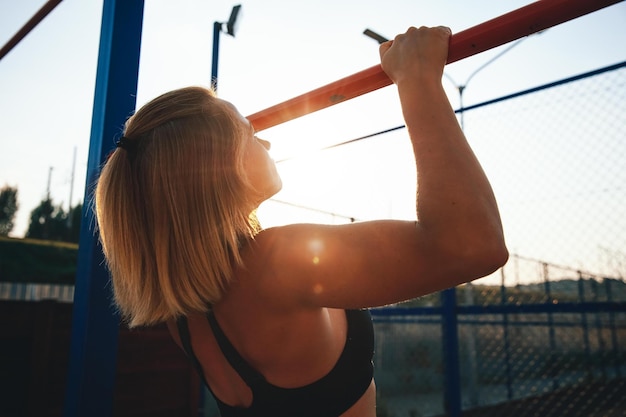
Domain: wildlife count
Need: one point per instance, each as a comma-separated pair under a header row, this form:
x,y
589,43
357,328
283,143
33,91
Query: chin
x,y
275,191
269,193
279,185
275,187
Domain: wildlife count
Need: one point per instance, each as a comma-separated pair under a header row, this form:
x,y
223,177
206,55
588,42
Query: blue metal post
x,y
613,330
552,368
599,327
92,369
217,29
585,326
452,373
507,343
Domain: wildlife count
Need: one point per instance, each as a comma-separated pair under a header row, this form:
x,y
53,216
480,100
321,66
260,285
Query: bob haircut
x,y
173,206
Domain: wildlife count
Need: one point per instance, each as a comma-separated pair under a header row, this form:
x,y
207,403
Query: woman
x,y
274,319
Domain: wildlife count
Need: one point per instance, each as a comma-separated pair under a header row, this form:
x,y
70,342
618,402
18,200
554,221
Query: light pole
x,y
231,27
461,87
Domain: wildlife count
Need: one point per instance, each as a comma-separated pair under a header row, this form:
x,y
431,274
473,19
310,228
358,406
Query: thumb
x,y
383,48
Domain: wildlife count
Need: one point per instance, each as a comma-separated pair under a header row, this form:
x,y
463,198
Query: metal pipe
x,y
521,22
217,29
30,25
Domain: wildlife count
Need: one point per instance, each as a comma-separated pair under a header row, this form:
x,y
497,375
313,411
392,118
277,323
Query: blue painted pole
x,y
93,350
217,29
585,327
613,329
452,372
553,371
601,349
507,343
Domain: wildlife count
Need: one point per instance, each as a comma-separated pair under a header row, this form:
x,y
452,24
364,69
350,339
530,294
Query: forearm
x,y
455,202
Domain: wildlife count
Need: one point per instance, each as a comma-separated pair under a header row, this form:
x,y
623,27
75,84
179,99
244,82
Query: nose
x,y
265,144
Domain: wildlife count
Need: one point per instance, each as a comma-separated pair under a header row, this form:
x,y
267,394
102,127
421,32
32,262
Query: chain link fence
x,y
545,335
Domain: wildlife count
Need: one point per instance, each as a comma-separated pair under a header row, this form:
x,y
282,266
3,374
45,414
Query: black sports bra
x,y
329,396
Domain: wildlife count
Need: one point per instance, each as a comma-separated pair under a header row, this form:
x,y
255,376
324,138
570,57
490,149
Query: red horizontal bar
x,y
521,22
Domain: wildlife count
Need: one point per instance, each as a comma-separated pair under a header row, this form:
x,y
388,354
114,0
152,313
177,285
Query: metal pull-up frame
x,y
91,375
524,21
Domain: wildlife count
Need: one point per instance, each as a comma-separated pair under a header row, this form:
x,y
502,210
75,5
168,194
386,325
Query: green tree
x,y
8,208
46,220
51,222
75,217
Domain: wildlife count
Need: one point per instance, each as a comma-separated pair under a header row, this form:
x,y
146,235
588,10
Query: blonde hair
x,y
174,206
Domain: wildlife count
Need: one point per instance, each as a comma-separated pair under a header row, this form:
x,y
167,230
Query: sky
x,y
281,49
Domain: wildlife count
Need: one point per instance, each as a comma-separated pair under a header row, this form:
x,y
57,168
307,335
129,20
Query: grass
x,y
37,261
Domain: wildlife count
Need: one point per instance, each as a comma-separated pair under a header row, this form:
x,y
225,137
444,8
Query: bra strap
x,y
250,375
185,339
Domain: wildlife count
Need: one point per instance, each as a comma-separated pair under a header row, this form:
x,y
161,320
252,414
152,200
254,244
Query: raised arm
x,y
456,208
457,236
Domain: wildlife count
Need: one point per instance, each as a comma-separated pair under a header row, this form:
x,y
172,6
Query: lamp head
x,y
377,37
231,25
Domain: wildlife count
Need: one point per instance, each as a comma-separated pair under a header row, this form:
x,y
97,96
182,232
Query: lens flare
x,y
316,247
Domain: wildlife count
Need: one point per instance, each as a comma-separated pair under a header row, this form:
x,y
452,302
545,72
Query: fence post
x,y
450,336
599,327
613,329
552,366
471,356
585,326
505,336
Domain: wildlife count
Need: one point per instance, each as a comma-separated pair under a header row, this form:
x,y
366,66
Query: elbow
x,y
474,254
502,253
486,256
463,254
496,257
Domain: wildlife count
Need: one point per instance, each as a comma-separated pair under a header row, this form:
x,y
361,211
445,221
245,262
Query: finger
x,y
446,30
384,47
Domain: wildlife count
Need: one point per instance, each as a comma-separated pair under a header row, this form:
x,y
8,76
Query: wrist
x,y
420,86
